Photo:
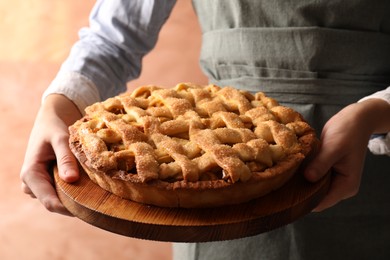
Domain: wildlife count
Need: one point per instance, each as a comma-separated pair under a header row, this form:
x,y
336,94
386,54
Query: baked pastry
x,y
191,146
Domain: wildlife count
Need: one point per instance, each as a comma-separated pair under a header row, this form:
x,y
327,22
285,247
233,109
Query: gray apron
x,y
317,57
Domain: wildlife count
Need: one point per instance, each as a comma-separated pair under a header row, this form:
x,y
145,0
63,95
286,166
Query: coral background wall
x,y
36,36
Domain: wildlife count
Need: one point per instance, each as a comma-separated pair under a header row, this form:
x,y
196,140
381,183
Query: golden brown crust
x,y
191,146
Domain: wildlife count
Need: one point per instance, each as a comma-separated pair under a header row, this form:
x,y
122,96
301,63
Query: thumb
x,y
66,162
319,166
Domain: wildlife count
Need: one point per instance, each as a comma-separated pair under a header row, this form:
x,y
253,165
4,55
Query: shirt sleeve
x,y
109,52
380,144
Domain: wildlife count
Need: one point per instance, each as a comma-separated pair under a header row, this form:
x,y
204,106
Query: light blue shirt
x,y
110,51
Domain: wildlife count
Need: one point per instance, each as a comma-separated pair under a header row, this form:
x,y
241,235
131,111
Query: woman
x,y
319,57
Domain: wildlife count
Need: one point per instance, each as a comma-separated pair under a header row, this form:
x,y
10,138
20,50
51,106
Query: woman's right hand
x,y
48,143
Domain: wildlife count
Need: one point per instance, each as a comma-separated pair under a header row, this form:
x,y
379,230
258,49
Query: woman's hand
x,y
344,141
48,143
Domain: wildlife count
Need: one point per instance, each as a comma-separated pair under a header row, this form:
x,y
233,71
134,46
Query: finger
x,y
342,187
41,187
66,162
27,190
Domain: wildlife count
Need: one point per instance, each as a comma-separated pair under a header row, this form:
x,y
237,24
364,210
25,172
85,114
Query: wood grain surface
x,y
96,206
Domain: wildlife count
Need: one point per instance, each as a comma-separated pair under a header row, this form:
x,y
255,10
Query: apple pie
x,y
191,146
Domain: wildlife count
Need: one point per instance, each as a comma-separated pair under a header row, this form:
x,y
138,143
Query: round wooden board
x,y
96,206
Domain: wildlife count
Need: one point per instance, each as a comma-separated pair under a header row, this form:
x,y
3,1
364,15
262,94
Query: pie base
x,y
201,194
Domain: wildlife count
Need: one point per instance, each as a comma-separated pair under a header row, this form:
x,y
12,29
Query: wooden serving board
x,y
96,206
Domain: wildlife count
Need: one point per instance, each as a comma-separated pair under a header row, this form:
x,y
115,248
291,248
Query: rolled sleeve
x,y
109,52
76,87
380,144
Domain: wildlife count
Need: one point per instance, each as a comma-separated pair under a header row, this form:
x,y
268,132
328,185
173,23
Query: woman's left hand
x,y
344,141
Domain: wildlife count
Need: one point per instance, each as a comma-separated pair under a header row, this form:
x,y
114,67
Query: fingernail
x,y
311,175
70,175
